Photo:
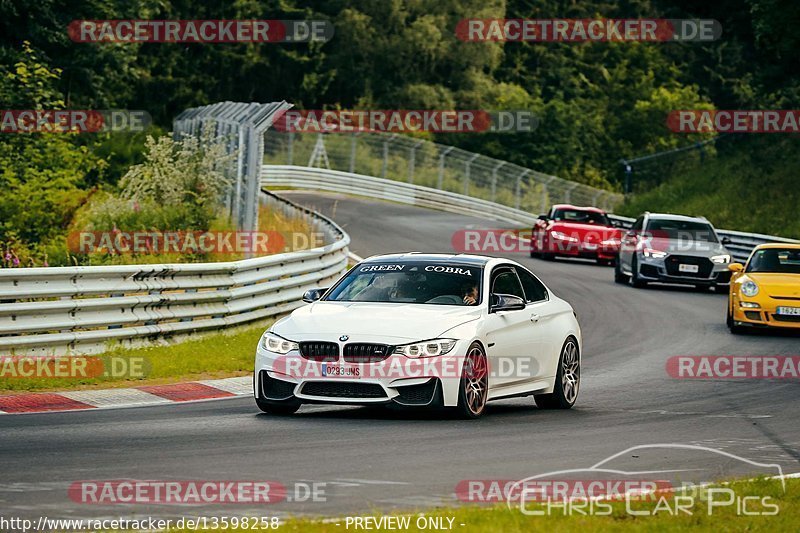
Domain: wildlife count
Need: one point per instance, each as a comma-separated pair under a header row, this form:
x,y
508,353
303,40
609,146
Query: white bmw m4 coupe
x,y
423,330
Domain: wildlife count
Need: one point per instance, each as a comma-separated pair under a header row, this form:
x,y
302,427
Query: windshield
x,y
779,260
685,230
580,216
410,282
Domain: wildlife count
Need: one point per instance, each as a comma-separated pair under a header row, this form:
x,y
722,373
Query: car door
x,y
544,317
628,245
511,336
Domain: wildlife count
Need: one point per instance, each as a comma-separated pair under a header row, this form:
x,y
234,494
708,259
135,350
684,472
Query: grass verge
x,y
764,494
215,355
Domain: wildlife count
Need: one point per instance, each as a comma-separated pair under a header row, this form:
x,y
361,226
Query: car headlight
x,y
749,288
277,344
654,254
721,259
562,236
429,348
751,305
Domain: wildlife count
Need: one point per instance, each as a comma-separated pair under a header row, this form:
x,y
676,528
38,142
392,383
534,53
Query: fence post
x,y
517,188
412,160
545,193
494,179
385,165
353,141
440,180
467,166
568,193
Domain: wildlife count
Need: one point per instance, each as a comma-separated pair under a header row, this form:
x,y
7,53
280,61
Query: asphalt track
x,y
383,459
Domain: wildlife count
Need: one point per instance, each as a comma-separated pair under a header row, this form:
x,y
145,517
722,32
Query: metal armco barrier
x,y
396,191
345,182
64,310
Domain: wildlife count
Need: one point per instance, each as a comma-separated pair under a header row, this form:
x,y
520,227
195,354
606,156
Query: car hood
x,y
775,284
586,230
396,322
687,247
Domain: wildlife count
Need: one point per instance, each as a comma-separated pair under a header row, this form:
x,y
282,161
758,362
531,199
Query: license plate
x,y
340,371
689,268
795,311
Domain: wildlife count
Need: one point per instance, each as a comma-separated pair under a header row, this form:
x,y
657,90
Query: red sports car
x,y
573,231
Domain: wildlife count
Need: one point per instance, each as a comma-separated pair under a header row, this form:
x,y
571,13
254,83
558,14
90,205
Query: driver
x,y
469,292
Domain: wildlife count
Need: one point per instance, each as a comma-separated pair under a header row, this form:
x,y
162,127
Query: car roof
x,y
578,207
779,245
458,259
670,216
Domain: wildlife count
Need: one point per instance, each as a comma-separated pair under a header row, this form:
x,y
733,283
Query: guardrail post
x,y
440,180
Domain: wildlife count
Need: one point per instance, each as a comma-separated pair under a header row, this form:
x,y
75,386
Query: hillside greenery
x,y
598,103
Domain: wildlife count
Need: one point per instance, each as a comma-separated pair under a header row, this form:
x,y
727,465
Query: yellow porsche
x,y
766,291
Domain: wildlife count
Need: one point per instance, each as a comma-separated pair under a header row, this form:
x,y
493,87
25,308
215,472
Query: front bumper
x,y
427,382
766,315
582,250
667,270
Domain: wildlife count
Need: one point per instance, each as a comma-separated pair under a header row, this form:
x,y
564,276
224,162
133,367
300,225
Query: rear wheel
x,y
474,386
568,379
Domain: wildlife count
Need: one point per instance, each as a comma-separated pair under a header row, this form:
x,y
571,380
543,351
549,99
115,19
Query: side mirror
x,y
312,295
506,302
543,217
736,267
726,241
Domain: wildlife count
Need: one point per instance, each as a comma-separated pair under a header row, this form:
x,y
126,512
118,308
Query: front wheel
x,y
619,276
736,330
281,408
568,379
636,281
473,389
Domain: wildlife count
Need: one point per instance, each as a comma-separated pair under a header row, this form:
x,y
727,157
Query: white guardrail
x,y
64,310
345,182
